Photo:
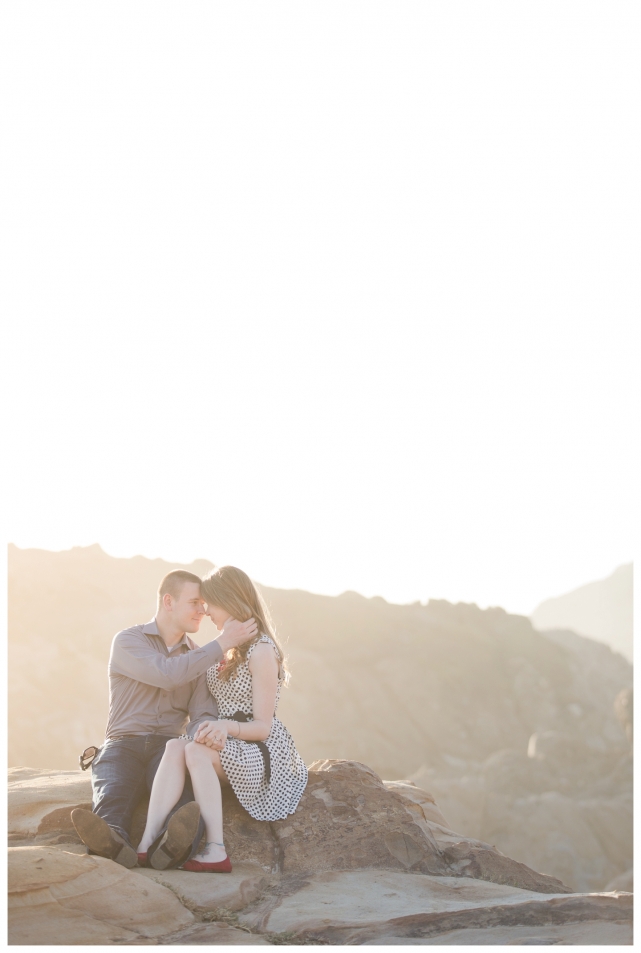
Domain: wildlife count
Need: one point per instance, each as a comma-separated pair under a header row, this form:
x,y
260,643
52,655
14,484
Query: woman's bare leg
x,y
165,792
207,774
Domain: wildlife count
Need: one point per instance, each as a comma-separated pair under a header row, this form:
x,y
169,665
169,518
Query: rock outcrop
x,y
361,861
40,802
381,906
59,897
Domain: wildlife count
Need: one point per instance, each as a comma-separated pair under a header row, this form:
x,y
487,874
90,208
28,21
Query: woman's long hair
x,y
232,590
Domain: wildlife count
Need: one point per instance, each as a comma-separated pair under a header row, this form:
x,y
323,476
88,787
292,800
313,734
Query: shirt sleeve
x,y
202,706
132,655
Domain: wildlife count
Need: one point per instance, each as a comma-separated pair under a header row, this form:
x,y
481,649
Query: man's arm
x,y
133,655
202,706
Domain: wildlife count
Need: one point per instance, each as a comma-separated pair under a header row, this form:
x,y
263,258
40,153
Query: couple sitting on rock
x,y
227,691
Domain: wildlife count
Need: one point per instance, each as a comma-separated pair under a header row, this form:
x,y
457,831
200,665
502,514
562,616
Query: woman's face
x,y
217,615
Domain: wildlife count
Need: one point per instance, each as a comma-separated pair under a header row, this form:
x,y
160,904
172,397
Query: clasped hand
x,y
212,733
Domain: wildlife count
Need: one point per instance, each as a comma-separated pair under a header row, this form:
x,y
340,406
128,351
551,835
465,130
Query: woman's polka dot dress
x,y
243,761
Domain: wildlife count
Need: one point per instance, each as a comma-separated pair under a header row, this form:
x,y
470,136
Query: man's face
x,y
189,608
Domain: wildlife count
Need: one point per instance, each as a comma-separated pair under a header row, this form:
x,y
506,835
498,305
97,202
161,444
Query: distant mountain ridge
x,y
391,685
601,610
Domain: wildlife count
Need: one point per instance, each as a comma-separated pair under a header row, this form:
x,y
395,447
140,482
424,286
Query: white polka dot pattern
x,y
243,761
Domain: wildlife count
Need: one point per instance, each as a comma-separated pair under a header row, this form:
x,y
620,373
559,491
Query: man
x,y
156,684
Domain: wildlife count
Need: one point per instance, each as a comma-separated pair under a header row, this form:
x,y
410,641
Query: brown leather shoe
x,y
176,842
101,839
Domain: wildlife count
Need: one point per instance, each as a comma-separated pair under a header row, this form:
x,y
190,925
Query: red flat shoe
x,y
142,859
202,867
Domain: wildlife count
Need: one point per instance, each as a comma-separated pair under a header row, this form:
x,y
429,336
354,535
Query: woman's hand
x,y
212,733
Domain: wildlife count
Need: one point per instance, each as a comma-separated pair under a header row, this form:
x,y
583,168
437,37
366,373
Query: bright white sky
x,y
339,292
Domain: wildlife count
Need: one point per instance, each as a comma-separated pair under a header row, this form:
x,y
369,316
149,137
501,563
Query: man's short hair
x,y
174,582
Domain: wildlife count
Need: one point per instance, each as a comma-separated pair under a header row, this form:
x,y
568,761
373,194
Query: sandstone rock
x,y
467,856
461,798
586,933
564,913
347,820
361,861
427,814
58,897
41,801
344,899
301,904
50,924
215,934
490,864
203,893
248,841
58,842
426,807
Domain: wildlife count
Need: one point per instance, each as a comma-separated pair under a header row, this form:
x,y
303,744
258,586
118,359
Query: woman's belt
x,y
262,747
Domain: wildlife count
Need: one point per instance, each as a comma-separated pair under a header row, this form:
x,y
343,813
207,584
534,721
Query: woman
x,y
257,754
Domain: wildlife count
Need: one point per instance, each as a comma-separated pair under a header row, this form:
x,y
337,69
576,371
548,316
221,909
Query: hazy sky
x,y
339,292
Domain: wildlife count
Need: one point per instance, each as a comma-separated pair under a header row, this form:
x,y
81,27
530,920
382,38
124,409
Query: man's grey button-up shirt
x,y
154,689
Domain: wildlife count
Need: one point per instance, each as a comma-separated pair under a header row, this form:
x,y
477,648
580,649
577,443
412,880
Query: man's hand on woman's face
x,y
235,633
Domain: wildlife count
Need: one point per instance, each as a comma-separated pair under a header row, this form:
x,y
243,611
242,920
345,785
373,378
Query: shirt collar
x,y
151,628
